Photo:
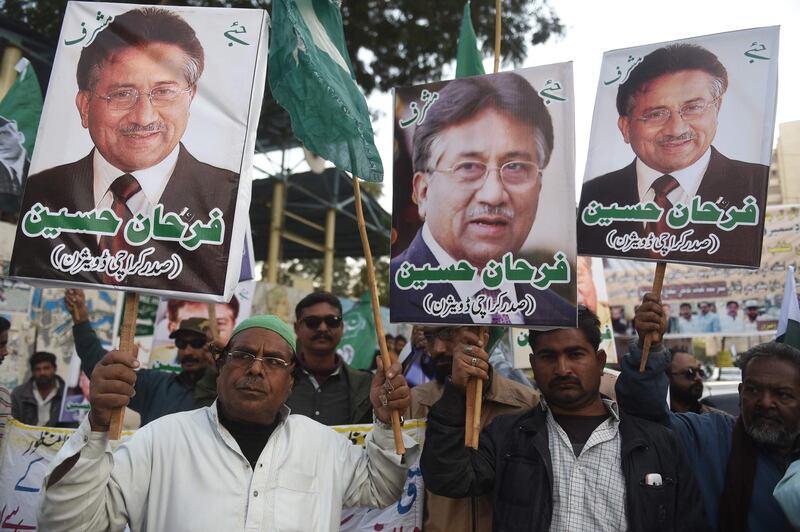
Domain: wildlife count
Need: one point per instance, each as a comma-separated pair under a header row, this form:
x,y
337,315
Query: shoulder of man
x,y
219,177
357,377
606,187
514,394
423,397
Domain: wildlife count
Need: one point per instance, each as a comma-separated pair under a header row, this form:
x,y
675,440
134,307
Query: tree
x,y
391,42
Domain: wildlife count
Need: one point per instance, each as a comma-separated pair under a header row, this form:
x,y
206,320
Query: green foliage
x,y
349,276
391,42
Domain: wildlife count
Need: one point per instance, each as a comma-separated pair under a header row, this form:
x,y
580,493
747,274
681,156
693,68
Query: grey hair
x,y
777,350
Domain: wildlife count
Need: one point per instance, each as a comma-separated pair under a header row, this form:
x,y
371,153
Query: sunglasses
x,y
445,334
313,322
691,373
197,343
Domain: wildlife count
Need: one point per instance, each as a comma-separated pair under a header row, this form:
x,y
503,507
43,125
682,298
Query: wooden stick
x,y
126,345
376,310
477,397
212,322
658,282
470,413
497,32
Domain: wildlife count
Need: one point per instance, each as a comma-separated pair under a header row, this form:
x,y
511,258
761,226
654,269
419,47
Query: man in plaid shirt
x,y
574,462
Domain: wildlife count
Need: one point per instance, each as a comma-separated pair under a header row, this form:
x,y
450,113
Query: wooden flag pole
x,y
475,385
658,282
212,322
376,310
126,345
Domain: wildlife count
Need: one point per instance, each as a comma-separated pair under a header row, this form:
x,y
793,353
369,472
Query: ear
x,y
530,359
296,326
601,357
624,124
719,106
420,185
82,102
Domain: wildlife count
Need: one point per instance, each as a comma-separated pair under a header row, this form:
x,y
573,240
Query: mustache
x,y
322,336
689,135
564,380
250,382
152,127
491,210
189,358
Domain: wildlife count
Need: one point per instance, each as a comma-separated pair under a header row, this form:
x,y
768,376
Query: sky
x,y
594,27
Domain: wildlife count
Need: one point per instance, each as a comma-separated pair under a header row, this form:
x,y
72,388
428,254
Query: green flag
x,y
359,341
311,77
468,61
20,110
789,322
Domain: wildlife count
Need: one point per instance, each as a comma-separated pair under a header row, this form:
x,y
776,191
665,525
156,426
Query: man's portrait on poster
x,y
480,149
712,205
137,81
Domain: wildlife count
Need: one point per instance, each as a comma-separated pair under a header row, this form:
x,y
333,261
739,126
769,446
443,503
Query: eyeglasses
x,y
688,112
197,343
446,334
332,321
512,173
691,373
243,359
124,99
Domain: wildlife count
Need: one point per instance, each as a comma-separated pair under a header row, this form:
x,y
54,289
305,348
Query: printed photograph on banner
x,y
483,202
140,178
702,301
680,148
171,312
593,295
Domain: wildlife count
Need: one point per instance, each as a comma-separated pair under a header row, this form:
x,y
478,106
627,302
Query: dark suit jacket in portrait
x,y
726,183
193,190
406,305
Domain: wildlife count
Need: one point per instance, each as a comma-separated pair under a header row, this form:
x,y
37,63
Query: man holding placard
x,y
244,462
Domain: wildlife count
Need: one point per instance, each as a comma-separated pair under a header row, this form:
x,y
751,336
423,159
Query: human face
x,y
3,345
567,368
705,308
225,318
682,387
322,339
399,345
770,401
486,222
678,143
733,309
440,342
193,359
44,374
142,136
255,394
685,312
752,313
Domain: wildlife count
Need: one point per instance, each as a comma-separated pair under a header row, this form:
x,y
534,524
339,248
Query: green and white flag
x,y
20,110
789,324
311,77
468,61
360,340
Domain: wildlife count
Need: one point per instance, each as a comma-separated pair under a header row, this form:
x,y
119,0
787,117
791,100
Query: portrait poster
x,y
483,200
679,152
141,175
170,313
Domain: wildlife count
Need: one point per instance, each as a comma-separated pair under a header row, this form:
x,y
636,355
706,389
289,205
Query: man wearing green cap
x,y
243,462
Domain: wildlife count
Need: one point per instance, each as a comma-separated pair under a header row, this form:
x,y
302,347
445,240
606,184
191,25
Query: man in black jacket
x,y
575,462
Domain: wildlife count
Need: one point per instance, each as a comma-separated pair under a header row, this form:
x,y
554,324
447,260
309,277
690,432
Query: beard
x,y
768,434
442,369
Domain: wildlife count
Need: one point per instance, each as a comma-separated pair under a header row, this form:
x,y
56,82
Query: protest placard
x,y
482,202
141,175
679,151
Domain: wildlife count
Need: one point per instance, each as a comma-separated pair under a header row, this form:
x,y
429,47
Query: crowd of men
x,y
565,455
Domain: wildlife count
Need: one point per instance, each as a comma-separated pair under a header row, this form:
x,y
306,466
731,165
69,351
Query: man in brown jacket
x,y
501,396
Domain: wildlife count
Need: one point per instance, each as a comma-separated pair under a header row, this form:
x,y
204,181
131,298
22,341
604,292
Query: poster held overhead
x,y
485,232
680,149
141,175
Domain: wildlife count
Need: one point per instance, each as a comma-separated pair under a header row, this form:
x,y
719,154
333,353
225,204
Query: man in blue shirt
x,y
737,462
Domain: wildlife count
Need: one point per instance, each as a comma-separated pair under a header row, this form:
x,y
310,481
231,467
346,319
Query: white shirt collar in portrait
x,y
153,181
688,178
470,289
